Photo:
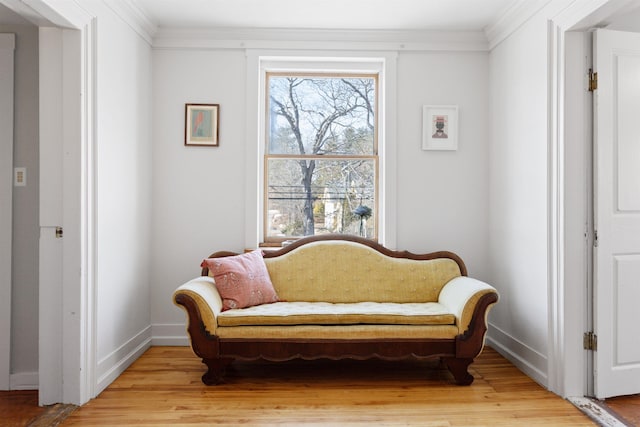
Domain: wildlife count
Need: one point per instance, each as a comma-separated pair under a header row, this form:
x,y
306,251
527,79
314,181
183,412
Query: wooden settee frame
x,y
455,353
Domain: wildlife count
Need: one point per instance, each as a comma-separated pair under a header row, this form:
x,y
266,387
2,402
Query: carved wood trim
x,y
469,344
457,353
386,349
356,239
204,344
219,254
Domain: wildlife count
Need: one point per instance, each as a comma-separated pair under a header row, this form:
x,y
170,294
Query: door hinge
x,y
59,232
595,238
590,341
593,80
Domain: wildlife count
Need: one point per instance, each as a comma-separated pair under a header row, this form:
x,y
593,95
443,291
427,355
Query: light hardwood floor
x,y
164,388
19,408
626,407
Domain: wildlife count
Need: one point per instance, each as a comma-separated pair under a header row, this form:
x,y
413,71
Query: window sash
x,y
277,240
320,74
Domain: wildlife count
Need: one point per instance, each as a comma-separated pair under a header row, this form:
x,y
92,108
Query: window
x,y
321,155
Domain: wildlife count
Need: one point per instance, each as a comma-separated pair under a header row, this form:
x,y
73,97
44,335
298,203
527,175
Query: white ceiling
x,y
454,15
401,15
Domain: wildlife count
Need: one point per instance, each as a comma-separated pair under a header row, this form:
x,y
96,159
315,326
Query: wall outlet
x,y
20,177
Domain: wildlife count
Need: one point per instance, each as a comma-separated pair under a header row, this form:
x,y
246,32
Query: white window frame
x,y
258,64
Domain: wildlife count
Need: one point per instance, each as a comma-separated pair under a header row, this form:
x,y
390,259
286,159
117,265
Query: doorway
x,y
7,45
66,346
573,365
616,206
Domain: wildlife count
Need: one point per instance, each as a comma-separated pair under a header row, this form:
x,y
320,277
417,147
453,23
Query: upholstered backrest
x,y
344,272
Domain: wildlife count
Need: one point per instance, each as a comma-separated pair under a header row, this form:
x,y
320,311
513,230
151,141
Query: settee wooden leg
x,y
216,370
458,367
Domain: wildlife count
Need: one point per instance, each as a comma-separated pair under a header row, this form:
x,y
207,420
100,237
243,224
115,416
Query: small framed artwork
x,y
440,127
201,124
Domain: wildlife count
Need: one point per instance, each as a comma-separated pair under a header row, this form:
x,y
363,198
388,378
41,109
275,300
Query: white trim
x,y
258,62
389,154
34,13
583,15
50,13
355,40
555,202
170,334
66,323
73,285
7,46
525,358
50,249
88,213
114,364
253,168
24,381
597,411
565,358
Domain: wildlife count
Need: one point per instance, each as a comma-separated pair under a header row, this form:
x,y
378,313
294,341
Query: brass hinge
x,y
595,238
593,80
590,341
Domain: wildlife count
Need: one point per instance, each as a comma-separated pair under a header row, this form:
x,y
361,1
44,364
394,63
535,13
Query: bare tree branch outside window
x,y
321,155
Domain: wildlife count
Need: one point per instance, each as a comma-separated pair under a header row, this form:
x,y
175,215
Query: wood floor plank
x,y
18,408
163,388
627,407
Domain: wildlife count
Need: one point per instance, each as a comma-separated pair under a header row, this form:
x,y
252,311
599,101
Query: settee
x,y
335,296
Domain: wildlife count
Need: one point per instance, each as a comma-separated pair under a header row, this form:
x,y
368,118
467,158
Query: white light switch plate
x,y
20,177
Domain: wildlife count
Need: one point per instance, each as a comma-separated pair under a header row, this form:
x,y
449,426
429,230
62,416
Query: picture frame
x,y
440,127
201,125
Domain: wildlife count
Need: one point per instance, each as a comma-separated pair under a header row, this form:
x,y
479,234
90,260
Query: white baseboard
x,y
528,360
110,367
24,381
169,334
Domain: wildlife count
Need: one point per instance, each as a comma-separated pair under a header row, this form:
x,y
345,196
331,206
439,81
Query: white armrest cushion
x,y
203,291
461,295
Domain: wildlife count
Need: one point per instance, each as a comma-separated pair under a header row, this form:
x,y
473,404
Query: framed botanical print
x,y
201,124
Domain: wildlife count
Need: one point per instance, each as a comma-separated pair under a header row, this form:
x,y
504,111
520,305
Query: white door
x,y
65,343
617,213
51,216
7,43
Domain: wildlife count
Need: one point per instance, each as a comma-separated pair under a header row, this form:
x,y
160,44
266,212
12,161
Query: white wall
x,y
198,193
518,205
123,193
442,195
26,232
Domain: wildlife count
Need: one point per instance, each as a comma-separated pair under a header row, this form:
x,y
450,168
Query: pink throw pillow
x,y
242,280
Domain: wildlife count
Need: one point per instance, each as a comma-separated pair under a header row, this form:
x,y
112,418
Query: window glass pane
x,y
321,115
315,196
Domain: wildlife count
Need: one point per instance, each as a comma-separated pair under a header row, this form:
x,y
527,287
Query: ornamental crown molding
x,y
47,13
256,38
135,17
511,19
